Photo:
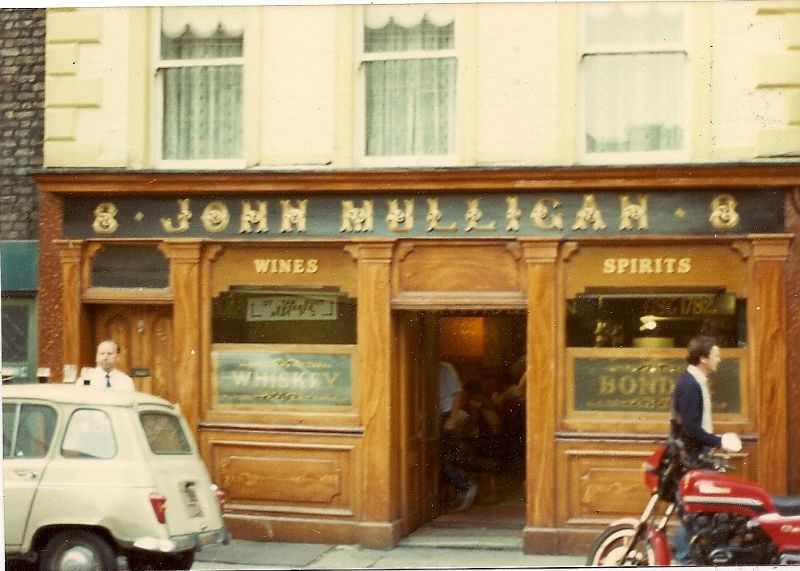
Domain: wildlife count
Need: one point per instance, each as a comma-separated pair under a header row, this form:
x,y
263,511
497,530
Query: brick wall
x,y
22,41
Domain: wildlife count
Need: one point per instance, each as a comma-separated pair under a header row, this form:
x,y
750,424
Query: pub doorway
x,y
487,349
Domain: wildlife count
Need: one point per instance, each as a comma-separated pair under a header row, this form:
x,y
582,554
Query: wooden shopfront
x,y
299,317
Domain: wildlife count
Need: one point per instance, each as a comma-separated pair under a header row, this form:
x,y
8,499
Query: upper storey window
x,y
200,78
634,69
409,72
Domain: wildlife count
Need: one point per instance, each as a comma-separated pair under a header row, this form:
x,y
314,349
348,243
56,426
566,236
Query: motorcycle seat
x,y
787,505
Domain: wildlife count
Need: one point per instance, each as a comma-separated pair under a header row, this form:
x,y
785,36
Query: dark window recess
x,y
15,332
316,316
632,319
130,266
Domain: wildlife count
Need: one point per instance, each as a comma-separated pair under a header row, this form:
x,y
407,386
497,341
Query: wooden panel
x,y
457,266
618,267
602,480
303,265
298,477
767,328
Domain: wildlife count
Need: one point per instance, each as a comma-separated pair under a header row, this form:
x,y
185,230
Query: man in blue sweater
x,y
691,416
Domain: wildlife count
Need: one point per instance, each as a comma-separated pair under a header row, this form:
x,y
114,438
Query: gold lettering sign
x,y
286,265
215,217
543,219
293,216
723,212
254,217
630,213
183,217
400,220
105,221
589,214
647,265
513,214
473,217
356,219
434,217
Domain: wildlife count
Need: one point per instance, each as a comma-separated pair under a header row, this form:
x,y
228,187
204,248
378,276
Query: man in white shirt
x,y
106,374
451,402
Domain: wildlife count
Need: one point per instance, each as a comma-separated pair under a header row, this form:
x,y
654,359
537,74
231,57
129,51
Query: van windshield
x,y
164,433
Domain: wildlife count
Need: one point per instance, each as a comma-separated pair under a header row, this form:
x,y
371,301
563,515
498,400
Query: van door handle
x,y
27,474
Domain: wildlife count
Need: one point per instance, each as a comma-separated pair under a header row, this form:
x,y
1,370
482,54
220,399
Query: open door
x,y
417,370
144,336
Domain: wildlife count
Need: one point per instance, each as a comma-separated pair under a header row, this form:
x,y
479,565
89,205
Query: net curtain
x,y
202,101
410,100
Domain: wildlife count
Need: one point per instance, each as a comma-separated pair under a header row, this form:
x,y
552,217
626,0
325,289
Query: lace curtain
x,y
202,100
410,94
635,92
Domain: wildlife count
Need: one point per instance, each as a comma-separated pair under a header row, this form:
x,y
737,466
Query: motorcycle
x,y
730,520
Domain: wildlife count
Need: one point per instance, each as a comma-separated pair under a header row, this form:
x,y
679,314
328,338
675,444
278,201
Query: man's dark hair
x,y
699,346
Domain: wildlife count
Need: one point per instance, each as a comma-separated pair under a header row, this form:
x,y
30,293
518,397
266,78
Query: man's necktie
x,y
108,380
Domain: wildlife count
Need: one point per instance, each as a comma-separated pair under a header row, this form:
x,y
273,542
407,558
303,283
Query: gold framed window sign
x,y
251,374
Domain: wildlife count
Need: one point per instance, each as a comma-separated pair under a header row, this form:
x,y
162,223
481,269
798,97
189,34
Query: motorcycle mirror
x,y
731,442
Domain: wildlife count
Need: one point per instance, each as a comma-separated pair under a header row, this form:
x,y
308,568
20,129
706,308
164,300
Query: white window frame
x,y
362,57
157,114
627,157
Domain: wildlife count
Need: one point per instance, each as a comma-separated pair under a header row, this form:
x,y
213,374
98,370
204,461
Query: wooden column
x,y
70,254
541,258
184,280
379,401
766,316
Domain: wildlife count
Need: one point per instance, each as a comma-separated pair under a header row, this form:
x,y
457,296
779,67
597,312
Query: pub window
x,y
199,71
276,346
634,79
130,267
303,316
19,339
408,59
626,348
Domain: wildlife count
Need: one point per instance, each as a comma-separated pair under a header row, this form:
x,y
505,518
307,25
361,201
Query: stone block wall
x,y
22,49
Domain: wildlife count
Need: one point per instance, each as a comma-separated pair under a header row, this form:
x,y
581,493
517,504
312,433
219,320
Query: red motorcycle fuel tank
x,y
710,491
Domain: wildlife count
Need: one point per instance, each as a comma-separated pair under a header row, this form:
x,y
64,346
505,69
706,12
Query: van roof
x,y
78,394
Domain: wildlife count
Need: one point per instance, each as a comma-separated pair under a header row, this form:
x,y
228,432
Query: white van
x,y
93,474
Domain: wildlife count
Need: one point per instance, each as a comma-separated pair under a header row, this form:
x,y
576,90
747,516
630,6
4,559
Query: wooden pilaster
x,y
184,259
378,400
70,255
766,308
542,365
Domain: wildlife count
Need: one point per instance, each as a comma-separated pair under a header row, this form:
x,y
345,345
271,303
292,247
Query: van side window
x,y
27,430
164,433
89,434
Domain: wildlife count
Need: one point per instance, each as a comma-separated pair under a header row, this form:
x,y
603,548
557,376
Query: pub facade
x,y
298,314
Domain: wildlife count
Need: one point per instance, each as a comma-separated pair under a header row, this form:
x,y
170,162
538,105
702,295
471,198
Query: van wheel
x,y
79,551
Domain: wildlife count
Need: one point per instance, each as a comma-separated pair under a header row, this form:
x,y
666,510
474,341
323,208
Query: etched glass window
x,y
130,266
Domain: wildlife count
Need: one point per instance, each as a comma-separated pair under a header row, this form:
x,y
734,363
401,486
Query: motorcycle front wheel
x,y
610,547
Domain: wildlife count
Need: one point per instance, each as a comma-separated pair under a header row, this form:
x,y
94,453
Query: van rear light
x,y
220,495
159,504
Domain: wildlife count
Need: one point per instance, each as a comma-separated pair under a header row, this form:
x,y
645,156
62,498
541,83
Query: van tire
x,y
84,545
152,562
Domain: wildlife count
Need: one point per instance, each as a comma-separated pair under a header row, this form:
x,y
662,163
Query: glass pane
x,y
655,320
301,316
164,433
89,435
9,421
35,432
203,112
130,266
15,333
410,107
634,102
645,24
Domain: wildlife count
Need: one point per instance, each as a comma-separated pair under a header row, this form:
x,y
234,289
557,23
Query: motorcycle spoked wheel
x,y
609,548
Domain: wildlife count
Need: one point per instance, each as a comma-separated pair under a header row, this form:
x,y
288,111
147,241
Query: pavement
x,y
425,549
